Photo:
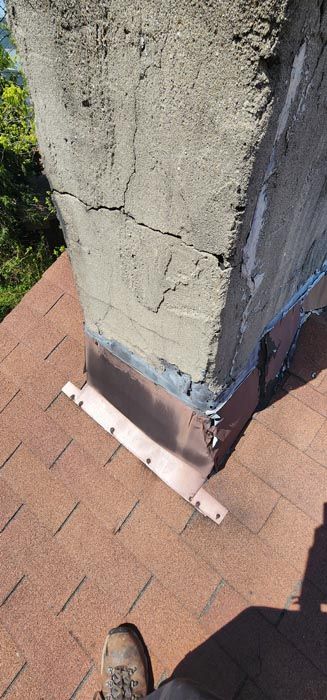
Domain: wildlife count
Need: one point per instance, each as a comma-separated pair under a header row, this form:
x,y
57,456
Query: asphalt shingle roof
x,y
90,537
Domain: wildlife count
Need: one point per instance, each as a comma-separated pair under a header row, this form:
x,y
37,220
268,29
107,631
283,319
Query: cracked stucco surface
x,y
147,286
285,231
157,123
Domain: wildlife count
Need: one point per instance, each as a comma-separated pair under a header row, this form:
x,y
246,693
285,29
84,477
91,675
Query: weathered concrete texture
x,y
286,236
147,290
185,143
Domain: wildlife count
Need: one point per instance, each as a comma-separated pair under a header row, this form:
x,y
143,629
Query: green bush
x,y
25,211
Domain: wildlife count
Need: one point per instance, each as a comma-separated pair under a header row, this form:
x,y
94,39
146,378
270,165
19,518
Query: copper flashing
x,y
277,343
235,414
177,428
182,477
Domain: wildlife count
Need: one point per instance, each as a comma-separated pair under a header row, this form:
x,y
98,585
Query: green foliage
x,y
24,211
19,270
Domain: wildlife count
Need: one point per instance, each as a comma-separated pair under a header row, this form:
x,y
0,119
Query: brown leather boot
x,y
124,667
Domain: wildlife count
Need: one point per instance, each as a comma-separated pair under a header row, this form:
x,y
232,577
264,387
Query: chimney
x,y
186,150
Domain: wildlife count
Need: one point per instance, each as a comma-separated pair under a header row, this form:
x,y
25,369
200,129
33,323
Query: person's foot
x,y
124,667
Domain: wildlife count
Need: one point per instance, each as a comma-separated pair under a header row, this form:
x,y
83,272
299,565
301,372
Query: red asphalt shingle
x,y
291,532
244,560
20,534
10,502
90,537
166,503
61,275
43,296
7,390
21,364
115,570
33,482
250,499
318,447
64,413
21,320
92,484
89,615
65,363
189,578
8,443
7,342
49,649
70,355
67,316
11,660
306,394
45,340
53,572
288,470
292,420
39,433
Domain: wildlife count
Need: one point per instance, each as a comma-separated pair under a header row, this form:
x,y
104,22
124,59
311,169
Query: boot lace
x,y
120,684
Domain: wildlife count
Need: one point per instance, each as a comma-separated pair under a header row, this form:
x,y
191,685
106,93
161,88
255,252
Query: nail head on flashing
x,y
148,461
197,505
112,430
72,396
80,403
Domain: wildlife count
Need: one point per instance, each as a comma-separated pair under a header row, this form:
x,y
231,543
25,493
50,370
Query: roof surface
x,y
90,537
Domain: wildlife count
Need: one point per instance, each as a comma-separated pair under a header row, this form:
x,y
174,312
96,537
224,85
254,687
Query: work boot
x,y
124,667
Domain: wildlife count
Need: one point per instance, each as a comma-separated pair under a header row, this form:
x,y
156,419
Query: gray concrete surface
x,y
186,146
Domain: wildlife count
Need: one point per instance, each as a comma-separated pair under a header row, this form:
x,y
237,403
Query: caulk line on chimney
x,y
250,248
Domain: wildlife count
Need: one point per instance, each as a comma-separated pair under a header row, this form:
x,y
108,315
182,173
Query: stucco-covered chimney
x,y
186,147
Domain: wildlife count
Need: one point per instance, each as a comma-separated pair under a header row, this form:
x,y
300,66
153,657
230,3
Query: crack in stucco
x,y
103,318
223,265
142,76
175,286
133,145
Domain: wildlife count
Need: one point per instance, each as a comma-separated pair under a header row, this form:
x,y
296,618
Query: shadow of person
x,y
282,653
